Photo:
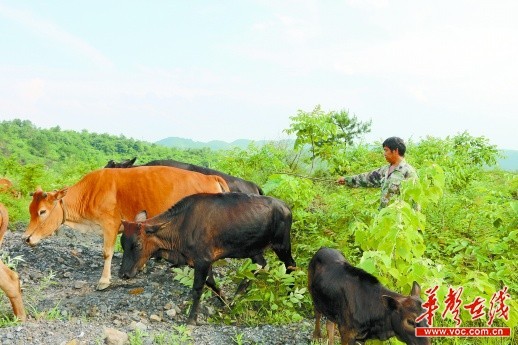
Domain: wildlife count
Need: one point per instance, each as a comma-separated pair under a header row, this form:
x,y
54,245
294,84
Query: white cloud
x,y
52,31
436,67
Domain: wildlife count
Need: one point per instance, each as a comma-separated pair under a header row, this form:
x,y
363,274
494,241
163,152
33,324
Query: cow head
x,y
47,215
138,247
404,310
124,164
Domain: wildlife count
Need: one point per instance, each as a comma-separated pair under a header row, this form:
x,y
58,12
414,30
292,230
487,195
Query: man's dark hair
x,y
395,143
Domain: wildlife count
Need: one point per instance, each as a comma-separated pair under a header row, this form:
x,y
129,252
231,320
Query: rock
x,y
73,342
168,306
171,313
93,311
79,284
155,318
113,336
138,325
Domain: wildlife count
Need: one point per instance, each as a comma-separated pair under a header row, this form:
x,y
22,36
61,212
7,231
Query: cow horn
x,y
416,289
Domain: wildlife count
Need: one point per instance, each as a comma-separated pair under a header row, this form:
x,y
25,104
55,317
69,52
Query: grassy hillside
x,y
183,143
465,234
31,156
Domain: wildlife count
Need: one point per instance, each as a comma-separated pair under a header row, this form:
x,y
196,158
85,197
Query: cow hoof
x,y
102,286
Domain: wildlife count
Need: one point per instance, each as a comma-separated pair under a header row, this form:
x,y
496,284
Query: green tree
x,y
326,134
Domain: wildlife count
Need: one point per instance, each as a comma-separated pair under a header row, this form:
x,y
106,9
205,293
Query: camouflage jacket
x,y
389,183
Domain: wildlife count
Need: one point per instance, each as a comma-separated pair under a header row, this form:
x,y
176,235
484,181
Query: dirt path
x,y
59,278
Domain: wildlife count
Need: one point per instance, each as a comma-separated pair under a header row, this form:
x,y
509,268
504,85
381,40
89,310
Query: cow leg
x,y
282,249
245,283
317,333
287,259
200,277
110,237
211,283
10,284
330,327
347,337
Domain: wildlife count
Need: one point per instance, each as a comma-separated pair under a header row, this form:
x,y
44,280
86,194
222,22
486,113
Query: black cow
x,y
203,228
357,302
235,184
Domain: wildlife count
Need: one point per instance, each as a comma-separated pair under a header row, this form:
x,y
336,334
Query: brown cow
x,y
6,186
9,281
235,184
102,198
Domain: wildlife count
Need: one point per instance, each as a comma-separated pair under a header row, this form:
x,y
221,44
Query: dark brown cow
x,y
357,302
203,228
9,280
102,198
235,184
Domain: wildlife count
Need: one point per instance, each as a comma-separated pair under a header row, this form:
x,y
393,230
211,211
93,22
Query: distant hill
x,y
510,160
183,143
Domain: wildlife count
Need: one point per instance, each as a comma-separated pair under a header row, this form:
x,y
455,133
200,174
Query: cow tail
x,y
222,183
4,219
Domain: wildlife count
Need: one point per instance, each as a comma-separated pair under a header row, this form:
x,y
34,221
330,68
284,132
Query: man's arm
x,y
368,179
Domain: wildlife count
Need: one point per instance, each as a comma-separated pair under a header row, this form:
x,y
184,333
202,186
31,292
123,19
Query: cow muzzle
x,y
31,240
126,275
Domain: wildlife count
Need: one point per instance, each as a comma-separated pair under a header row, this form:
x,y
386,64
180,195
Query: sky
x,y
227,70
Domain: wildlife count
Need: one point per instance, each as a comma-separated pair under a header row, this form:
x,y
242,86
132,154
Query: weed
x,y
181,335
11,262
7,321
137,337
238,338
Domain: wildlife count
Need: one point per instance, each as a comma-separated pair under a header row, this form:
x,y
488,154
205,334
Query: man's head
x,y
394,149
394,143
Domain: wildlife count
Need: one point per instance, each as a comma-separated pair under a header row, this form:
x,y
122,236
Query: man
x,y
387,177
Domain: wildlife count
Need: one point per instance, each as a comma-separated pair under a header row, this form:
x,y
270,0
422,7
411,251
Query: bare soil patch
x,y
59,278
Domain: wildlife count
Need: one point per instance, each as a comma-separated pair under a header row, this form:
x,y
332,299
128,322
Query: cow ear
x,y
391,302
61,193
152,229
38,190
132,161
416,290
141,216
124,224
